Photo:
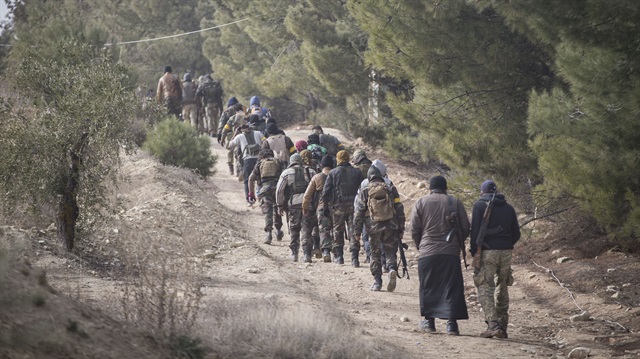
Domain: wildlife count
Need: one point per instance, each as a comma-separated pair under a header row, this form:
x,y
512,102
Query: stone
x,y
253,270
209,254
612,288
555,251
582,317
404,319
236,244
579,353
422,185
616,295
611,270
563,259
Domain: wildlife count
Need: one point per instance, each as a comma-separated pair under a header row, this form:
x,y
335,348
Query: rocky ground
x,y
561,300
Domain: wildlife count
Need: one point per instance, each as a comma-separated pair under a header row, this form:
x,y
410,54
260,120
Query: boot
x,y
391,286
355,262
368,259
318,253
294,254
307,258
493,330
267,239
230,169
338,256
279,235
452,327
377,284
326,256
428,325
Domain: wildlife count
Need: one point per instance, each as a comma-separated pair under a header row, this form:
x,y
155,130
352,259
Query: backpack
x,y
299,181
252,148
380,204
277,143
330,143
189,93
212,92
269,169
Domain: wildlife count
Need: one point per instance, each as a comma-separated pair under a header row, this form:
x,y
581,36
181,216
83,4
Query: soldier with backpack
x,y
386,223
361,162
248,142
189,106
330,142
289,193
267,172
169,92
229,131
210,92
279,143
312,203
224,119
338,195
317,151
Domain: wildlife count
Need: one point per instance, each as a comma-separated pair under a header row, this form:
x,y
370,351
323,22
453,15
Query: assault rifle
x,y
455,226
477,258
403,258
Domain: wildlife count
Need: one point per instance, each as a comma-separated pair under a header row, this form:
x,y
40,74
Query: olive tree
x,y
63,132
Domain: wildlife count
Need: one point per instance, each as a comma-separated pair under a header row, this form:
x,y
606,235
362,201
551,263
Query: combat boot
x,y
452,327
326,256
267,239
391,286
231,169
279,235
428,325
493,330
307,258
377,284
368,259
355,262
318,253
339,255
294,254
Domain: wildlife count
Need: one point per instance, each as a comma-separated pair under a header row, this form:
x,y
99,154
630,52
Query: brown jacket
x,y
169,86
315,186
429,225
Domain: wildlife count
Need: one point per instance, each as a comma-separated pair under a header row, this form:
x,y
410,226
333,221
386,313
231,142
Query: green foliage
x,y
188,348
178,144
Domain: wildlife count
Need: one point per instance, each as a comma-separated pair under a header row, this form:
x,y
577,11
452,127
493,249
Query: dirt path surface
x,y
244,267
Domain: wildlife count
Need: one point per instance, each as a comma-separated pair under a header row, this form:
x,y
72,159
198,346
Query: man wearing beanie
x,y
248,142
437,239
189,107
290,190
279,143
361,162
312,203
229,130
338,195
210,92
267,172
493,277
379,199
169,92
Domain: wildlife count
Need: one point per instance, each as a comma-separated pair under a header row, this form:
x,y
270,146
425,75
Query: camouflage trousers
x,y
190,114
211,116
271,215
173,105
493,280
342,217
295,226
309,224
387,239
325,224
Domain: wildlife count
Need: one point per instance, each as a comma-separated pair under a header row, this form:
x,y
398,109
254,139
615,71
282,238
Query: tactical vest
x,y
347,188
269,169
299,181
188,93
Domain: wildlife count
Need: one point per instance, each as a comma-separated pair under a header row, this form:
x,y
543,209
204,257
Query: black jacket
x,y
341,185
503,230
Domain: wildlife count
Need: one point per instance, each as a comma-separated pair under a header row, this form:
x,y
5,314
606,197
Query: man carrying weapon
x,y
385,224
494,231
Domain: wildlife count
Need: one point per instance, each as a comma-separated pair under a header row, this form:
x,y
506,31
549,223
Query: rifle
x,y
477,258
403,258
288,223
455,226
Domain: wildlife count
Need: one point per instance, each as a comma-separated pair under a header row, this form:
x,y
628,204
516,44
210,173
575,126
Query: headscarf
x,y
342,157
301,145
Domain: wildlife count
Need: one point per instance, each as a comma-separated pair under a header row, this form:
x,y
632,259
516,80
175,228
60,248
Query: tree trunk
x,y
68,210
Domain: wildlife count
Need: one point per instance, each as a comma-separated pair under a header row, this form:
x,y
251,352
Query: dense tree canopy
x,y
542,96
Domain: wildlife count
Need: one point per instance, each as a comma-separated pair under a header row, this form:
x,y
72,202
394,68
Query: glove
x,y
251,198
219,137
326,212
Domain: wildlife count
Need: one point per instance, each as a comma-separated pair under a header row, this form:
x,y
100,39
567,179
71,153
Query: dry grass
x,y
254,328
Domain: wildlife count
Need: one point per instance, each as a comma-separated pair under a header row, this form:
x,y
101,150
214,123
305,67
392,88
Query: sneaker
x,y
452,327
318,253
279,235
428,325
391,286
267,239
355,262
326,256
307,258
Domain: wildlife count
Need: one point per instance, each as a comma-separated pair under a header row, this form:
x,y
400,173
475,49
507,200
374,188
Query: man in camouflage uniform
x,y
224,119
313,197
494,276
267,172
229,131
384,228
338,195
361,162
310,236
289,193
210,91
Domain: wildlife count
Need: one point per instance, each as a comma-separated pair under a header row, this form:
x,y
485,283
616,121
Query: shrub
x,y
178,144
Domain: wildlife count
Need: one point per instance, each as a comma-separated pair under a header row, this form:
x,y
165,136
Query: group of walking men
x,y
330,198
